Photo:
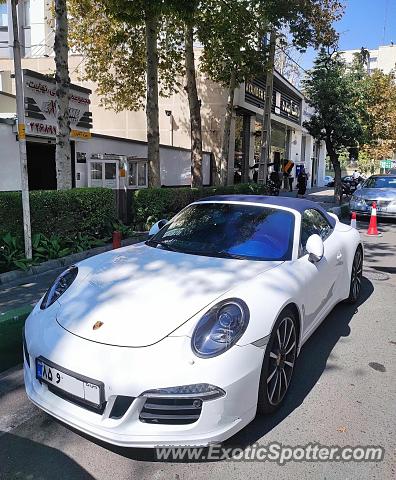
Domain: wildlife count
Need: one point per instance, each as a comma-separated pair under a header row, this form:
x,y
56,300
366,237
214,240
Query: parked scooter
x,y
274,184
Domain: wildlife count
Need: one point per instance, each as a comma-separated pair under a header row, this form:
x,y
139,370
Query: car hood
x,y
377,193
141,294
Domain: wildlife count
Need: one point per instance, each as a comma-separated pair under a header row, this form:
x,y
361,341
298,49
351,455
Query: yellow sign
x,y
21,131
80,134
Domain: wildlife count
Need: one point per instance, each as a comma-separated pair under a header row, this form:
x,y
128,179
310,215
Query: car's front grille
x,y
171,411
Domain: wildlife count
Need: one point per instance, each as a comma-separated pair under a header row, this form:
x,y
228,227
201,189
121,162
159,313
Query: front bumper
x,y
132,371
365,210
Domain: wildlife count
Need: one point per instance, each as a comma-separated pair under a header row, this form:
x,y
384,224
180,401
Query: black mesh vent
x,y
171,411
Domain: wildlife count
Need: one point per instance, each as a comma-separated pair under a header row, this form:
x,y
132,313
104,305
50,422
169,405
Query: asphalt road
x,y
343,393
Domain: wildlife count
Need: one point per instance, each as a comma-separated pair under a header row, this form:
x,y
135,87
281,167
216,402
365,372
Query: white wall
x,y
295,146
10,174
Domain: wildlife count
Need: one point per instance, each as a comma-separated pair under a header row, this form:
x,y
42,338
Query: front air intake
x,y
171,411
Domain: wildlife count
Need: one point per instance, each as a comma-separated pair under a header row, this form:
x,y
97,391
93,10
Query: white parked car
x,y
182,339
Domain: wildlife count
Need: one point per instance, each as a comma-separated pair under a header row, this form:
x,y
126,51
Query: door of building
x,y
41,165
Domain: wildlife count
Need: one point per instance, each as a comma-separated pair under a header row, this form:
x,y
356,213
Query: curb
x,y
21,275
11,325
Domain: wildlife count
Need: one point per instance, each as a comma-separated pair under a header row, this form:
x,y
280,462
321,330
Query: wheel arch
x,y
295,309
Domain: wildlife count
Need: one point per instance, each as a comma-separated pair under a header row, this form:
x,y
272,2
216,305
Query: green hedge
x,y
151,204
64,212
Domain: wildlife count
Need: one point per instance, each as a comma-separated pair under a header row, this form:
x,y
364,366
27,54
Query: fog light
x,y
197,403
203,391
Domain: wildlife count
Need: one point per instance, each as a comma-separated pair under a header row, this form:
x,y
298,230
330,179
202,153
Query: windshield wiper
x,y
162,244
230,255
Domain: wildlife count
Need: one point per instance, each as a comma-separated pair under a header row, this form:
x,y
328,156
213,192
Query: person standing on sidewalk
x,y
291,180
302,181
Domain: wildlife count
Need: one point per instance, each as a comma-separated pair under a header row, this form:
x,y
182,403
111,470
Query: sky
x,y
366,23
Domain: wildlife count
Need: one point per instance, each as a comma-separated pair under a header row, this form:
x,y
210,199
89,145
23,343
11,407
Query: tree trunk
x,y
337,170
225,147
152,115
195,108
265,153
61,49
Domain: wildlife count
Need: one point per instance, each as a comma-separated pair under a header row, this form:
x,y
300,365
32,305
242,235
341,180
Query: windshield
x,y
380,182
230,231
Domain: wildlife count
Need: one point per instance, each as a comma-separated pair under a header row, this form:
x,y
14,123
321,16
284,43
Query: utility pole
x,y
21,131
266,125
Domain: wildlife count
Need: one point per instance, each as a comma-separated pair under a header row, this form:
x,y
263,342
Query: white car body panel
x,y
150,301
122,287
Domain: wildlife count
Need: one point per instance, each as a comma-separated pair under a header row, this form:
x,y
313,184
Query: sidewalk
x,y
26,290
322,195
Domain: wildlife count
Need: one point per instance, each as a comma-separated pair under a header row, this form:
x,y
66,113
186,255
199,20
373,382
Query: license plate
x,y
72,384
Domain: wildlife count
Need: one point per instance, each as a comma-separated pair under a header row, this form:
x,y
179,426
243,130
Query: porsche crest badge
x,y
97,325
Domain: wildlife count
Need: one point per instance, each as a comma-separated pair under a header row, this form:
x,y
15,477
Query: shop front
x,y
291,149
96,160
40,120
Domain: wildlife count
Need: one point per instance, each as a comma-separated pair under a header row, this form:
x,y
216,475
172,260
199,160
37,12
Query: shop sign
x,y
290,108
255,90
40,107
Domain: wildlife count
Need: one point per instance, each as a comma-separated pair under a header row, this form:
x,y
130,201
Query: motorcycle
x,y
273,187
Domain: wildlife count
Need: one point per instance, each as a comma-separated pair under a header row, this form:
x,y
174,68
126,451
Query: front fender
x,y
266,296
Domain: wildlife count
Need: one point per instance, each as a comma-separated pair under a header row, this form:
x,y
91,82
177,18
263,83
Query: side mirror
x,y
157,227
315,248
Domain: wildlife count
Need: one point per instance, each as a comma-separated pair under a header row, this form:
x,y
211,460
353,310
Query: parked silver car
x,y
380,189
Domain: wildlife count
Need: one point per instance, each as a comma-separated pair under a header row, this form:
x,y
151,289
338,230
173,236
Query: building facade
x,y
383,58
289,140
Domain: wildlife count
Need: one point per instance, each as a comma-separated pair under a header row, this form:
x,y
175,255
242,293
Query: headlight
x,y
356,199
59,287
220,328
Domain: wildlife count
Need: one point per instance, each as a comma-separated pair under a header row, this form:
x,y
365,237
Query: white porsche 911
x,y
182,339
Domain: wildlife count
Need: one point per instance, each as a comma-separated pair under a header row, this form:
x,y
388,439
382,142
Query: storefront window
x,y
142,174
132,176
110,175
103,174
137,173
96,174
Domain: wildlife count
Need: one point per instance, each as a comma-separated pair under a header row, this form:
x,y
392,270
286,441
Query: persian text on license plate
x,y
89,391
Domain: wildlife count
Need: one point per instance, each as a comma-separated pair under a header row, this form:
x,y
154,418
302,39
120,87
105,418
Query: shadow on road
x,y
311,364
21,458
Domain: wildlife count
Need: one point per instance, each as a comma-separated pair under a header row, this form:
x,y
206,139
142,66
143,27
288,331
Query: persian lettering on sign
x,y
40,107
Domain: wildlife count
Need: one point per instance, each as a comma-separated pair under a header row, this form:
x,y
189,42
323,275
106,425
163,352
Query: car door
x,y
320,279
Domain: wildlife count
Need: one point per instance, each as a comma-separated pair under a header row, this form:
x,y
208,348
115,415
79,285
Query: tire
x,y
278,364
356,277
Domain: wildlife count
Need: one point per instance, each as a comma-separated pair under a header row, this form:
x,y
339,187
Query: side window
x,y
314,222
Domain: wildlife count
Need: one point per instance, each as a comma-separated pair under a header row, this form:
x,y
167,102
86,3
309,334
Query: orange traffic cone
x,y
372,229
353,220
